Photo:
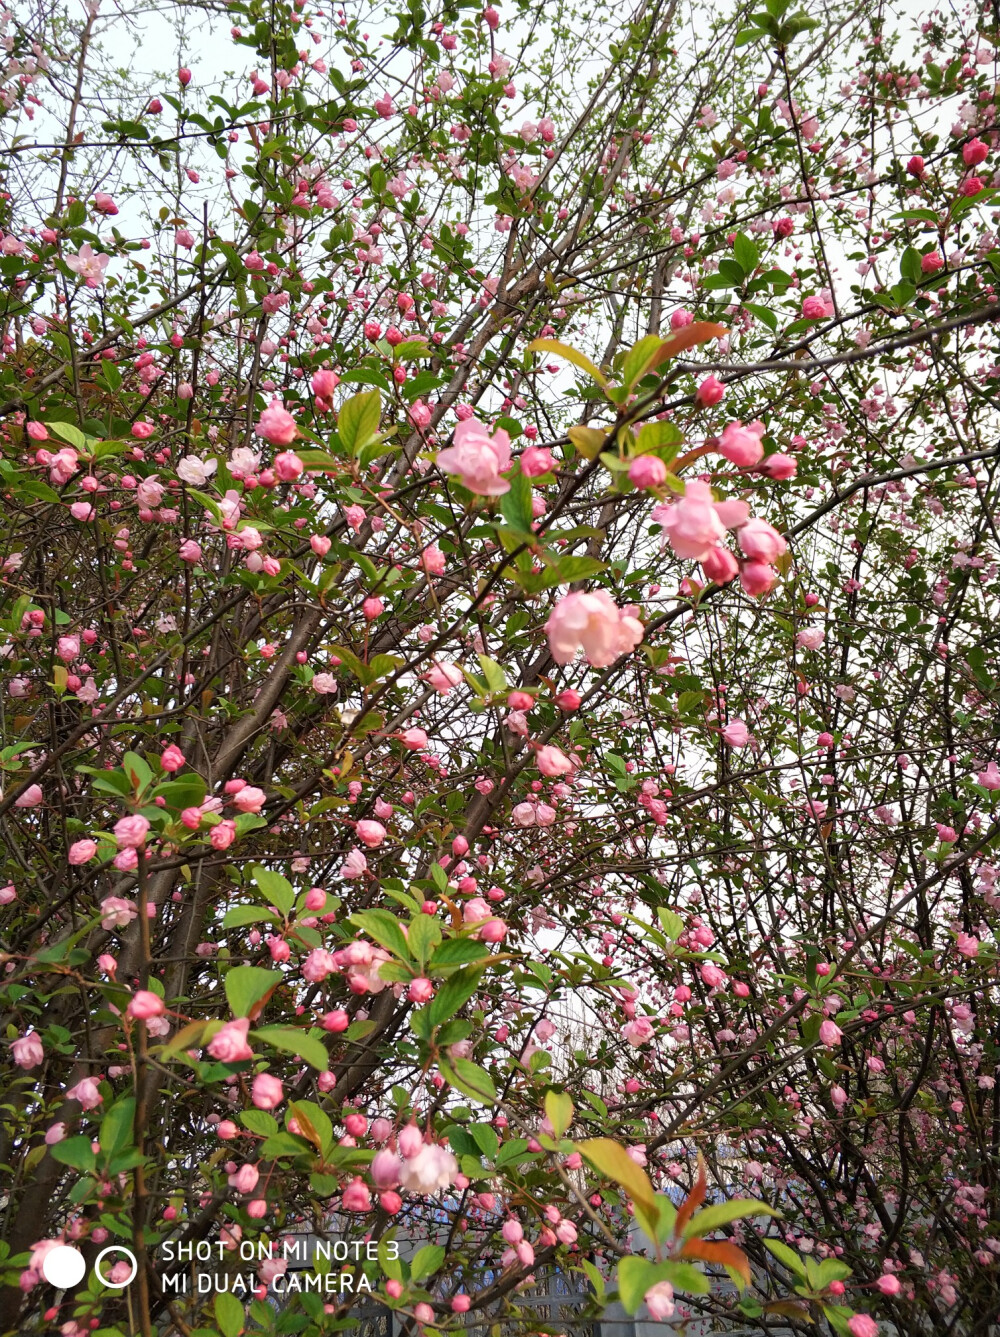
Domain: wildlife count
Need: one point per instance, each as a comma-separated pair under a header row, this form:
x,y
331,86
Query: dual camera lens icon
x,y
64,1267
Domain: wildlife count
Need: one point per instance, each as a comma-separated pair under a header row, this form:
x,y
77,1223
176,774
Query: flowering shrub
x,y
498,591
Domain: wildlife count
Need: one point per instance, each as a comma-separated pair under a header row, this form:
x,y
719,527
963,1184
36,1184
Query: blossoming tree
x,y
498,592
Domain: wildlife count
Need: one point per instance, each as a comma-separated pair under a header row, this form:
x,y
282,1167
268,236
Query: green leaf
x,y
746,253
611,1159
65,431
787,1256
457,952
229,1314
358,420
496,679
314,1123
259,1121
426,1261
276,889
116,1126
659,437
485,1139
671,923
75,1152
179,794
559,1110
721,1213
137,770
245,914
452,994
515,505
294,1041
247,986
472,1080
909,266
384,928
763,314
571,355
638,358
423,935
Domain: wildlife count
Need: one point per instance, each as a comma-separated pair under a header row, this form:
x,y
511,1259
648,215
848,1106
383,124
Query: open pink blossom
x,y
443,677
694,524
27,1051
593,622
88,265
478,459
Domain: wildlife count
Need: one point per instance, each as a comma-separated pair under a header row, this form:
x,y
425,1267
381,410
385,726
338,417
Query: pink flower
x,y
288,466
817,308
810,638
647,471
552,762
130,832
720,565
371,834
974,153
317,965
249,799
830,1033
277,425
189,551
86,1092
222,836
593,622
757,578
355,865
267,1092
145,1004
778,466
736,733
31,797
712,975
27,1051
245,1179
431,1169
660,1301
324,382
356,1197
537,460
742,445
638,1032
414,740
478,458
386,1169
695,523
862,1325
172,758
443,677
888,1284
710,392
760,541
89,265
968,945
421,990
323,683
990,778
116,912
229,1045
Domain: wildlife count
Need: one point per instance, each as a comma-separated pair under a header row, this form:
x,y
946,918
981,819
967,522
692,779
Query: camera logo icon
x,y
64,1267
